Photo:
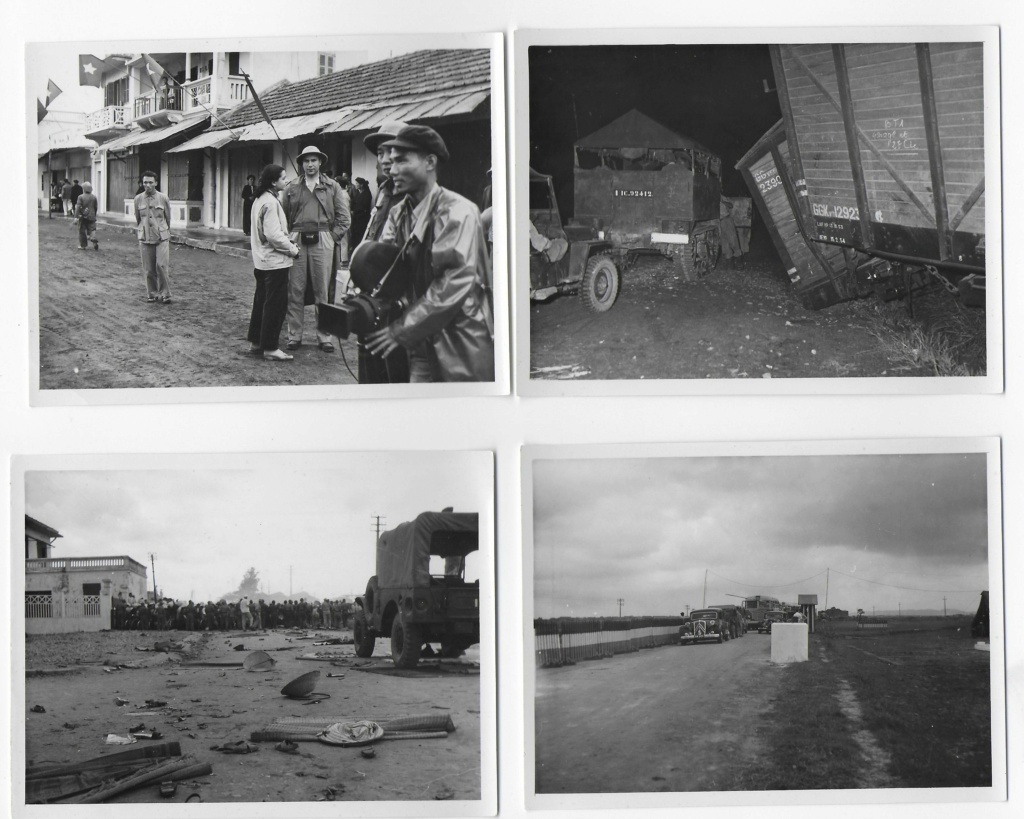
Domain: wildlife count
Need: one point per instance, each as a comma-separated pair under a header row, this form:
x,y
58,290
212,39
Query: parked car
x,y
704,625
769,618
417,600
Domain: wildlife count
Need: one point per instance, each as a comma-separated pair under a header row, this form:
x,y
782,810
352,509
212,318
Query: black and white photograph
x,y
189,634
290,213
760,624
728,209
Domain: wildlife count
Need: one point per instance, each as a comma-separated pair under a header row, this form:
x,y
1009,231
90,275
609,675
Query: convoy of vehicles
x,y
420,593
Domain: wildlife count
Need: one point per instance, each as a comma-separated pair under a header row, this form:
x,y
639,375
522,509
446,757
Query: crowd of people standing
x,y
244,614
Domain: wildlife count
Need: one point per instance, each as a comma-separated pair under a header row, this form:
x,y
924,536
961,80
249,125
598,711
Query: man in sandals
x,y
318,216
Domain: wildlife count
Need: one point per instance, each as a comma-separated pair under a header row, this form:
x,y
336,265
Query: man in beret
x,y
318,215
448,329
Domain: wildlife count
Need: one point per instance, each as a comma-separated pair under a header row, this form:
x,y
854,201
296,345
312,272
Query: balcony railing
x,y
83,564
169,100
110,117
198,94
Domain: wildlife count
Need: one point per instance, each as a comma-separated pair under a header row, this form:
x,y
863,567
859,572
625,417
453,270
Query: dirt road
x,y
665,719
211,705
739,322
97,331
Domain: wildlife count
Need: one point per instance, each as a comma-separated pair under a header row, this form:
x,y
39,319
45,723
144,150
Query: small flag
x,y
90,70
155,71
40,111
52,92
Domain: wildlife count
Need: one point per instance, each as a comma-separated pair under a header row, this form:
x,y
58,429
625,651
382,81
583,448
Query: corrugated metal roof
x,y
207,139
378,84
154,134
433,107
290,126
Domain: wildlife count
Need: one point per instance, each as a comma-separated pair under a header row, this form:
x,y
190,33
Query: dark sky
x,y
647,529
713,94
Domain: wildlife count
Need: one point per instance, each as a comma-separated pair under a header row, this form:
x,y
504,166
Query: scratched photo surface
x,y
180,629
206,117
760,211
716,624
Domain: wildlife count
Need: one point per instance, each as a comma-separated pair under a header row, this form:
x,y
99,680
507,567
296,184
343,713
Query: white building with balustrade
x,y
73,594
143,118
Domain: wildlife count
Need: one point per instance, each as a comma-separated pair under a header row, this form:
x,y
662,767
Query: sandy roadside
x,y
76,679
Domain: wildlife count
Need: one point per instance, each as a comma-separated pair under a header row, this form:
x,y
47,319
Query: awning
x,y
154,134
290,126
207,139
434,106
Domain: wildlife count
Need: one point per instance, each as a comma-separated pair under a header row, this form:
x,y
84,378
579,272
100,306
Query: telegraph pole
x,y
620,601
827,570
152,562
704,599
379,522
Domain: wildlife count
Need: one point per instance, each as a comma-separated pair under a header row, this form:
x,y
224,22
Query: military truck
x,y
639,188
420,594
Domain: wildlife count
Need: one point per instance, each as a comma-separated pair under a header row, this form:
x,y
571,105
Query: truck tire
x,y
371,594
600,285
361,636
697,259
406,642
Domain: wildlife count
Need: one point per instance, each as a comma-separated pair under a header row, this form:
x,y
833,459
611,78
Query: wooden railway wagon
x,y
822,274
887,146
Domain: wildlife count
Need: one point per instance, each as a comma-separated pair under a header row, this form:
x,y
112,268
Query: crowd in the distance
x,y
133,614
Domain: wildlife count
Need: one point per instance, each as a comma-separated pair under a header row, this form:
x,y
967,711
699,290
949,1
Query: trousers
x,y
269,305
316,261
156,263
86,232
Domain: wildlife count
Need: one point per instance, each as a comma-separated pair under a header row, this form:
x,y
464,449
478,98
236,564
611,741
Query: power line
x,y
906,588
767,585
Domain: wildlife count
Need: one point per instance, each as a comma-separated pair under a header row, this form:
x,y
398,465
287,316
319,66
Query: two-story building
x,y
72,594
63,152
154,102
448,89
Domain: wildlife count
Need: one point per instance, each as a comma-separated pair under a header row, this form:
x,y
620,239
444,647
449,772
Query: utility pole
x,y
379,522
827,570
943,606
152,562
704,599
620,601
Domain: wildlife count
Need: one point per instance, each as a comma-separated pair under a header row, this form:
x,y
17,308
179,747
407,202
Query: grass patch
x,y
924,696
945,337
805,732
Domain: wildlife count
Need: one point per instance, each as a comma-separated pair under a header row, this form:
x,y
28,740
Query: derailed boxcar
x,y
822,274
887,144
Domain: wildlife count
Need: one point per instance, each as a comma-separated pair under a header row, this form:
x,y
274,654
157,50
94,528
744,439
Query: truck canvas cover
x,y
403,553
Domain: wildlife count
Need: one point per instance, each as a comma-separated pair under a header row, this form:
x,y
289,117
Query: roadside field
x,y
907,706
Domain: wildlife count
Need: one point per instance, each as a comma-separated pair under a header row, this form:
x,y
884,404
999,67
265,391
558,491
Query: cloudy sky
x,y
206,526
645,530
